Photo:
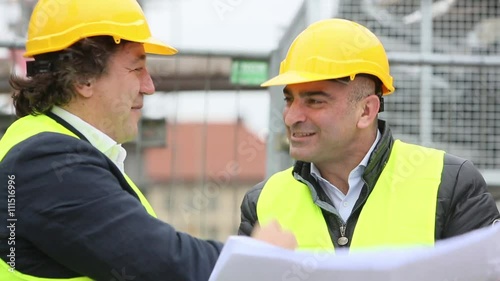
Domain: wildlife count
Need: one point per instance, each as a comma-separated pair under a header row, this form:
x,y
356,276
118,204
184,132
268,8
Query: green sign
x,y
248,72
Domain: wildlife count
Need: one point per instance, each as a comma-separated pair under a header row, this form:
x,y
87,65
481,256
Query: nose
x,y
147,86
293,114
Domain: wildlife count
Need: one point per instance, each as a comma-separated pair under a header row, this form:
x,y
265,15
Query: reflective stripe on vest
x,y
19,131
400,211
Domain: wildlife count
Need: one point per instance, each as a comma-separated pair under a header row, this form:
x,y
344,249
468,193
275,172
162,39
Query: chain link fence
x,y
445,60
447,83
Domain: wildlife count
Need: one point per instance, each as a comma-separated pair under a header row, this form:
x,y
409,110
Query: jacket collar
x,y
380,155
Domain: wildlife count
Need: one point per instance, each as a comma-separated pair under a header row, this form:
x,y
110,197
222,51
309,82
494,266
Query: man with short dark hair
x,y
353,185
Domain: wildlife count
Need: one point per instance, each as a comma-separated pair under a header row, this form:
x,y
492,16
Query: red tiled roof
x,y
217,151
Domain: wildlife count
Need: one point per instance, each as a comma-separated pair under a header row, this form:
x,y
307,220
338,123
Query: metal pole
x,y
206,200
18,44
443,59
278,157
12,44
426,33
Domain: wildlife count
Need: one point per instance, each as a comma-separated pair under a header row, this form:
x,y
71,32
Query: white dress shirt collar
x,y
344,203
109,147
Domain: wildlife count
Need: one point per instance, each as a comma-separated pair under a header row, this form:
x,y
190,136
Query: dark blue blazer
x,y
77,216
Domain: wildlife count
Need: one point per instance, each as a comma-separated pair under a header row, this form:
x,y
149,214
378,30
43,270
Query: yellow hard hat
x,y
56,25
334,48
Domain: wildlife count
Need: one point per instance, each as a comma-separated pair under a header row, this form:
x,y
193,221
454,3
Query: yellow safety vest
x,y
19,131
400,211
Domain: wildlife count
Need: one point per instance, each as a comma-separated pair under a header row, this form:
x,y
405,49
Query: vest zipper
x,y
343,240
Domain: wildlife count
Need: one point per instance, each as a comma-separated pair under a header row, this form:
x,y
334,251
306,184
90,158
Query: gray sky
x,y
250,26
233,25
244,26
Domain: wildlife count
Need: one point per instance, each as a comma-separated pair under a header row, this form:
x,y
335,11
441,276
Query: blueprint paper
x,y
474,256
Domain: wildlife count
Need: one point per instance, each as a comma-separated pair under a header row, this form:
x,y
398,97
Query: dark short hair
x,y
361,92
55,85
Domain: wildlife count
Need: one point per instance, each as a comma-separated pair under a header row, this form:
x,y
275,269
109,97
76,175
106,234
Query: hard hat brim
x,y
157,47
151,46
294,77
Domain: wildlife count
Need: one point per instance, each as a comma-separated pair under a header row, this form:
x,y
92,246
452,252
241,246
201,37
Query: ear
x,y
85,89
369,106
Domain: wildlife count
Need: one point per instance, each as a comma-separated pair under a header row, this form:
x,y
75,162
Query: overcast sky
x,y
248,26
241,26
232,25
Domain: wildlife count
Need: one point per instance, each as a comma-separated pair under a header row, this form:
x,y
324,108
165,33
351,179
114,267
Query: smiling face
x,y
324,124
112,103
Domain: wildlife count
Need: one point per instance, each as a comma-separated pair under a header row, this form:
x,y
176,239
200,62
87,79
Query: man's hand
x,y
273,233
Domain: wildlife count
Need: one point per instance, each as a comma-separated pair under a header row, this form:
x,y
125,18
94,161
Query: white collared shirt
x,y
344,203
113,150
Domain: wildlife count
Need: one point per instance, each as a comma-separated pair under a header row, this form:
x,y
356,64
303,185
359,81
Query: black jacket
x,y
463,201
77,215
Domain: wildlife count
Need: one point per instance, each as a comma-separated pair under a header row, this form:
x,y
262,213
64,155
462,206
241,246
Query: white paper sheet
x,y
474,256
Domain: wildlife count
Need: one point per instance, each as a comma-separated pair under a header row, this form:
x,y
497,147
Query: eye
x,y
138,69
314,101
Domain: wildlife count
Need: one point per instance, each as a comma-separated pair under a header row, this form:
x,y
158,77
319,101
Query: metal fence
x,y
445,60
